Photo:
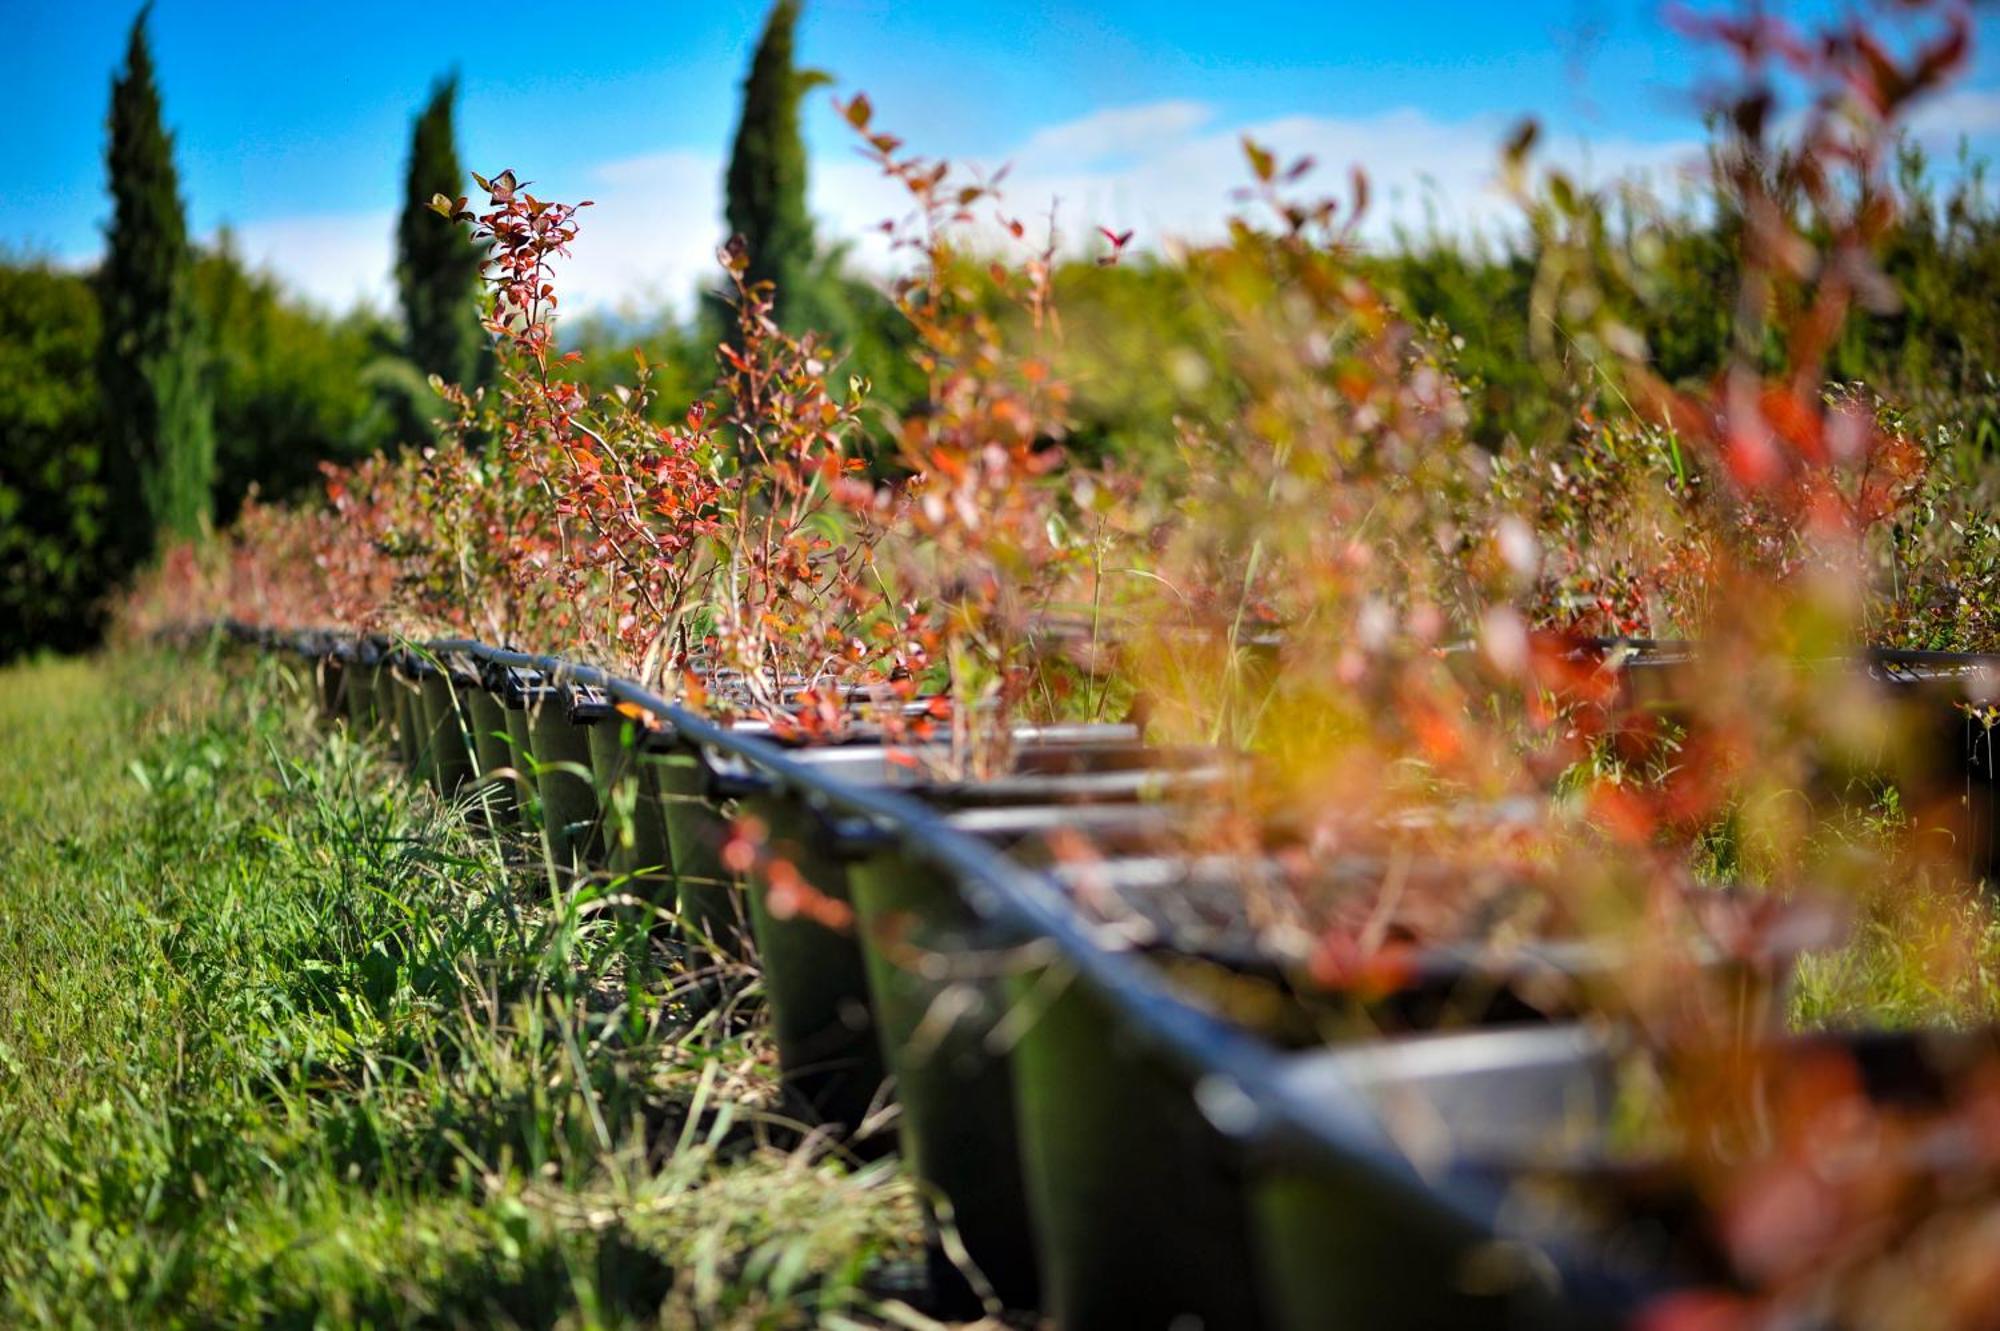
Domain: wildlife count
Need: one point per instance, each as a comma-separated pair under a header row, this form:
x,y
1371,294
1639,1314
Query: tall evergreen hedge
x,y
765,187
160,455
437,266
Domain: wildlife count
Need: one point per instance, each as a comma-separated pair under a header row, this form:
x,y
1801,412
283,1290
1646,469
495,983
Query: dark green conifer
x,y
766,184
437,265
160,462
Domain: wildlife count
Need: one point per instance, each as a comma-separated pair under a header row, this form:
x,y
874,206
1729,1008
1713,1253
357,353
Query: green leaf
x,y
1261,161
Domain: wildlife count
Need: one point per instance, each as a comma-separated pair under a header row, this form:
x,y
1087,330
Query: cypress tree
x,y
766,184
437,265
161,459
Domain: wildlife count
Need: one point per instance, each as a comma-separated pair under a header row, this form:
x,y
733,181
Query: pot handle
x,y
735,781
853,836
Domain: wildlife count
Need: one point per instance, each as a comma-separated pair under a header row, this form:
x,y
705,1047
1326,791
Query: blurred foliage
x,y
1937,348
854,317
54,534
291,388
1138,352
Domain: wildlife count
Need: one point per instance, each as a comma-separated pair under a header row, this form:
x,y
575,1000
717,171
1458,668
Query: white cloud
x,y
1969,112
650,234
1164,169
1116,132
335,260
1178,186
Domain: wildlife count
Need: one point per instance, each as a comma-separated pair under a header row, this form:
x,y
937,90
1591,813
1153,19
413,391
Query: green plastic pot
x,y
1074,1140
360,699
1346,1241
708,897
1138,1204
635,830
1343,1249
815,978
408,722
937,999
330,687
446,743
1557,1217
564,783
382,694
521,757
492,753
1114,1144
938,992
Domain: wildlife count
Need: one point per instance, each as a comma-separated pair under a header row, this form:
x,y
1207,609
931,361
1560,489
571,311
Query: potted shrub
x,y
1115,1145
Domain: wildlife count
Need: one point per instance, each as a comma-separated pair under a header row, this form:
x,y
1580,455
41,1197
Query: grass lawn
x,y
284,1040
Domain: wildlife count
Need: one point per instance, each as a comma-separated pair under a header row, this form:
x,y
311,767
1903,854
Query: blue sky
x,y
291,119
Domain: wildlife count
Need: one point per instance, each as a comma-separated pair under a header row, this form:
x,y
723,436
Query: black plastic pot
x,y
1346,1245
1098,1113
815,983
563,780
492,752
938,985
520,692
709,901
371,693
408,718
1952,703
1947,702
446,738
815,977
1137,1202
935,977
1574,1228
361,673
634,821
330,686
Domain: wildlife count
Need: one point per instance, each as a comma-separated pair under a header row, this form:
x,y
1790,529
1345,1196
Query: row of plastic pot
x,y
1123,1109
